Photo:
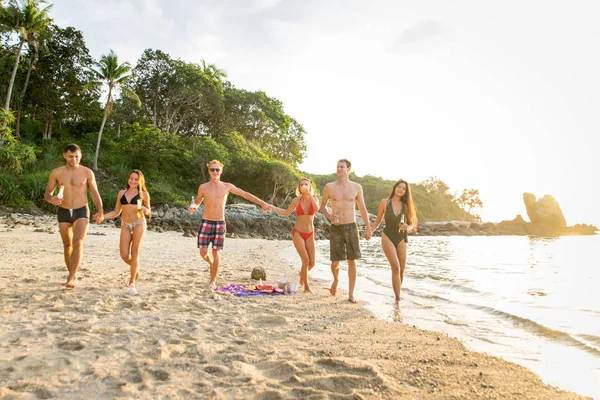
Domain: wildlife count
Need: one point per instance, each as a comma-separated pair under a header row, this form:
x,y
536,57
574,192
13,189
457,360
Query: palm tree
x,y
28,20
115,75
212,71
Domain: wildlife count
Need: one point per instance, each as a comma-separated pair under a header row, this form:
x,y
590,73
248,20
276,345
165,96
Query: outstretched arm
x,y
290,209
363,212
249,196
117,211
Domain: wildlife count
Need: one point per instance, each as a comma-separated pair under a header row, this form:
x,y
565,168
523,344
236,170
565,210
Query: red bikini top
x,y
300,210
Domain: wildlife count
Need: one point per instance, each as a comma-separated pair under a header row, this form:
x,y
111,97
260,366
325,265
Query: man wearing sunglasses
x,y
212,228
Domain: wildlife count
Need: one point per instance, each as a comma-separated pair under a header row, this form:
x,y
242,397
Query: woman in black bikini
x,y
303,234
134,203
400,216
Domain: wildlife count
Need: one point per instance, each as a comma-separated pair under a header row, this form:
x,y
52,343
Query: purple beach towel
x,y
239,290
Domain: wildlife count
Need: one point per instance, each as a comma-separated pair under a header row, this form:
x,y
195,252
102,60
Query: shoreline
x,y
179,339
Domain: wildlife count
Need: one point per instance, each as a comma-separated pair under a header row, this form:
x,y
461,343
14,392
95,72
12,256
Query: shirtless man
x,y
343,239
72,201
212,228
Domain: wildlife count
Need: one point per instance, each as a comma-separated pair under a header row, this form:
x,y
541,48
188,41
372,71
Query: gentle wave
x,y
539,329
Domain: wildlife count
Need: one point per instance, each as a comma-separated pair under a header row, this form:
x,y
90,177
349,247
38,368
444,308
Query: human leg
x,y
401,251
66,235
335,270
80,228
337,252
353,253
391,254
351,279
214,267
300,245
125,244
136,242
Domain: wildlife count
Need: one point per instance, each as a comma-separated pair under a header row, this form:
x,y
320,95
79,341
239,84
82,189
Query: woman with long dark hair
x,y
400,215
134,203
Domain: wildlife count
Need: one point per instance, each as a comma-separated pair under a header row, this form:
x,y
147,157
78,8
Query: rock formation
x,y
545,211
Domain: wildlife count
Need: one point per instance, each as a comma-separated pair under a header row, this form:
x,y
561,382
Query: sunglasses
x,y
214,169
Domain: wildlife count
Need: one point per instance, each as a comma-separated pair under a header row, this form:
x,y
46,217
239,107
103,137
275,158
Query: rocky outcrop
x,y
544,211
248,221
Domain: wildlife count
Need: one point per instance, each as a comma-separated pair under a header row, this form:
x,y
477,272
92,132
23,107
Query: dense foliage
x,y
174,118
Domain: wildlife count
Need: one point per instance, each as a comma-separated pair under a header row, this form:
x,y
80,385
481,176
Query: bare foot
x,y
351,299
307,290
333,288
212,285
70,285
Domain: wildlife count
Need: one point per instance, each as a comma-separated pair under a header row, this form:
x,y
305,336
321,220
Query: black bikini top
x,y
133,200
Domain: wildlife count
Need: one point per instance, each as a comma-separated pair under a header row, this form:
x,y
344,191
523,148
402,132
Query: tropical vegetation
x,y
165,116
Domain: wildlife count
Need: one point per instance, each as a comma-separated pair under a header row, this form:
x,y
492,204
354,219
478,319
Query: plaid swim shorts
x,y
211,232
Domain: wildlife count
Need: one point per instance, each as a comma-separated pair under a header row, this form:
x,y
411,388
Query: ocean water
x,y
533,301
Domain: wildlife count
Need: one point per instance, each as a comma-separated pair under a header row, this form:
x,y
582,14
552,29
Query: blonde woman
x,y
303,234
400,216
133,203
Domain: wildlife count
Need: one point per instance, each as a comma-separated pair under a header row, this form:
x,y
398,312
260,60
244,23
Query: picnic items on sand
x,y
242,290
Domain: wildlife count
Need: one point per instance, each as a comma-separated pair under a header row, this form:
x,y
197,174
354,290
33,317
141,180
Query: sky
x,y
503,97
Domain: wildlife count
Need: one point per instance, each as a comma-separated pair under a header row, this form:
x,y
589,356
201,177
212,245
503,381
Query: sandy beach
x,y
177,339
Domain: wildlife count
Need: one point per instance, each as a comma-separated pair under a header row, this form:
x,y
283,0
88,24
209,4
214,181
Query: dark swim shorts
x,y
211,232
344,242
70,215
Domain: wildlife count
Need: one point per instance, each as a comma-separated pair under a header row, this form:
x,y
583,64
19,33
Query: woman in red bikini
x,y
134,204
303,234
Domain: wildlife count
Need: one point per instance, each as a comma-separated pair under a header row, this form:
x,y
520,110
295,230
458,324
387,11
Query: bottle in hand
x,y
401,223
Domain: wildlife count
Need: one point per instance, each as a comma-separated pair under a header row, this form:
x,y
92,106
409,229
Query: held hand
x,y
368,234
98,218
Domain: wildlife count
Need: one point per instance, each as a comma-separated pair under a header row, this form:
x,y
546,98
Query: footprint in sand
x,y
217,370
71,346
159,375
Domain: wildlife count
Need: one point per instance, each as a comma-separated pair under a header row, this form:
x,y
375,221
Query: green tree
x,y
114,75
28,20
433,184
261,120
469,199
151,79
60,89
14,155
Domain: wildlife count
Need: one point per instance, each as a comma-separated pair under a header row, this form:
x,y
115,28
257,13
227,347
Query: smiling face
x,y
73,158
134,180
400,190
214,170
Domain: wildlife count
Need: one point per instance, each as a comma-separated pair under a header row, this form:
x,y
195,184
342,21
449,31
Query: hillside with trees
x,y
165,116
